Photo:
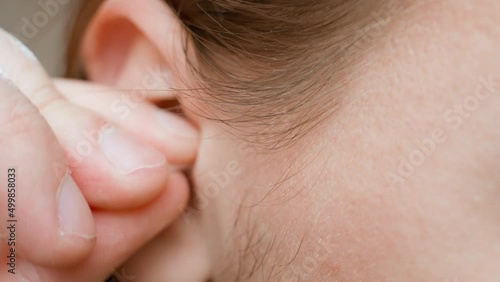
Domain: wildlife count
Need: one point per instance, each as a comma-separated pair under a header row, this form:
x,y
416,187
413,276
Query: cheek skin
x,y
357,201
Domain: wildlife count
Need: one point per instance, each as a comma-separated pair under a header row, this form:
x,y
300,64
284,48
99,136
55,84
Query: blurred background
x,y
43,25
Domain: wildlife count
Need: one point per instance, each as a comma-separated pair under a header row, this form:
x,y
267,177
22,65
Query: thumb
x,y
49,221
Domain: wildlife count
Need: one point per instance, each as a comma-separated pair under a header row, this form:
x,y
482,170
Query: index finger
x,y
114,169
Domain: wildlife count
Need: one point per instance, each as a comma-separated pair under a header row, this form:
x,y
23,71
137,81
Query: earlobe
x,y
179,253
135,44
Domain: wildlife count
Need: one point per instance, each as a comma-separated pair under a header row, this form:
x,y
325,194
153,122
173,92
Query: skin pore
x,y
400,183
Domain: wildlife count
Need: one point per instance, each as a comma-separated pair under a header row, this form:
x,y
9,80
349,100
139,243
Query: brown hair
x,y
264,64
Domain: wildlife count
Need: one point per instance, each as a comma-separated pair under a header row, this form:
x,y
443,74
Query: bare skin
x,y
365,196
400,184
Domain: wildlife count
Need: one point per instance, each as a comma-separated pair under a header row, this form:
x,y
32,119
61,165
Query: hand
x,y
87,193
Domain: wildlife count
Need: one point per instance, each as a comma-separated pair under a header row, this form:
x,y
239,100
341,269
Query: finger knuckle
x,y
45,98
21,117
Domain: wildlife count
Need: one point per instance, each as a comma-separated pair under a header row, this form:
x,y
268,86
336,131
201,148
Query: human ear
x,y
140,44
136,44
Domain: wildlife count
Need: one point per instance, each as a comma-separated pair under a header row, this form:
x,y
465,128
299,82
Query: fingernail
x,y
176,126
128,155
75,216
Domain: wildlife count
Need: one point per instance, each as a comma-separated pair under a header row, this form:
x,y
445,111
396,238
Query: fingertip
x,y
107,189
72,250
128,155
124,232
180,138
173,135
179,191
114,170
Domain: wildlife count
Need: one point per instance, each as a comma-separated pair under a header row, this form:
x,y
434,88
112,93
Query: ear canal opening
x,y
172,105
